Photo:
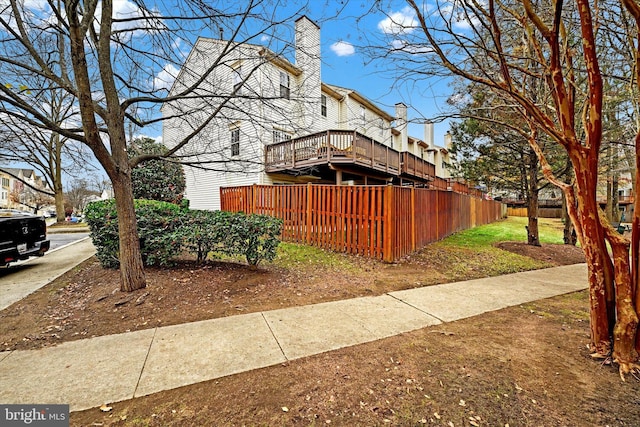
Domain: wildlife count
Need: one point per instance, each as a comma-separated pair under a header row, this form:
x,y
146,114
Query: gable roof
x,y
358,97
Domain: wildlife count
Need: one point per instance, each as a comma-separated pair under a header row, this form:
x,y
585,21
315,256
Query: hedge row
x,y
167,230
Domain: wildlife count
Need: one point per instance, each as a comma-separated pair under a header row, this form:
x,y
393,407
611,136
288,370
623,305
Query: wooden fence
x,y
383,222
542,212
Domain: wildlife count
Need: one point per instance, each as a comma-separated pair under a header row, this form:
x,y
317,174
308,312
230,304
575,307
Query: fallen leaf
x,y
462,403
105,408
285,409
435,414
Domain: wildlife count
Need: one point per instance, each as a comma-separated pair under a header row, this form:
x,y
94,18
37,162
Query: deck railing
x,y
414,166
347,147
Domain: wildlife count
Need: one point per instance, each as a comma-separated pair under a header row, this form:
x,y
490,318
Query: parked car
x,y
75,219
21,235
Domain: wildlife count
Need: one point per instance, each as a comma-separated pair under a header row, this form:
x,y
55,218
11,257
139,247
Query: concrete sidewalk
x,y
90,372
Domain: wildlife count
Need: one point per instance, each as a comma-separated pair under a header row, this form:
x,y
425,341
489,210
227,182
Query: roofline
x,y
279,61
360,98
328,89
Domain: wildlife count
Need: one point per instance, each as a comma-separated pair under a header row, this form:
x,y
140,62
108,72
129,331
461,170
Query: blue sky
x,y
347,63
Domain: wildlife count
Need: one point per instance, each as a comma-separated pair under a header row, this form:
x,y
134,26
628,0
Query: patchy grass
x,y
510,229
295,255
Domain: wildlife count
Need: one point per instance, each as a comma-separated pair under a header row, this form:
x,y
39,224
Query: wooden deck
x,y
341,147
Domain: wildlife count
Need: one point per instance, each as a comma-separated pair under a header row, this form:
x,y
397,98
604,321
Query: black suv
x,y
21,235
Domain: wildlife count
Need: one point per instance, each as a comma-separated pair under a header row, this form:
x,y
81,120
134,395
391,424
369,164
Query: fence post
x,y
413,219
389,227
254,195
309,216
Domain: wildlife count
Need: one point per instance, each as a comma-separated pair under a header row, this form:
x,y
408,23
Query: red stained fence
x,y
383,222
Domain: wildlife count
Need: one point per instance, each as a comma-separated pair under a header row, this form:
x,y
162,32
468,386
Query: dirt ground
x,y
522,366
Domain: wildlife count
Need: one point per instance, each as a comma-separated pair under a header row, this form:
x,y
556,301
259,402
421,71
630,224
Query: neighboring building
x,y
5,189
19,189
282,125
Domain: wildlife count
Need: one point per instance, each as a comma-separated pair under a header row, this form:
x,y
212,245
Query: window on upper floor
x,y
284,85
5,182
323,105
280,135
235,142
237,79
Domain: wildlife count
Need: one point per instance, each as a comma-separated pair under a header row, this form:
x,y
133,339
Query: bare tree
x,y
79,193
559,45
119,60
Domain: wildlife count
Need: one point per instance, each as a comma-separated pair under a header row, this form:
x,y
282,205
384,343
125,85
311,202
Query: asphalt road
x,y
61,239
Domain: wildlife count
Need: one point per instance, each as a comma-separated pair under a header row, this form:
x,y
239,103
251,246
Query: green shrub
x,y
203,233
166,229
256,237
103,222
159,225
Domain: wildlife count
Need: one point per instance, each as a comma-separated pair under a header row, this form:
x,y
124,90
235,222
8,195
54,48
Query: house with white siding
x,y
257,118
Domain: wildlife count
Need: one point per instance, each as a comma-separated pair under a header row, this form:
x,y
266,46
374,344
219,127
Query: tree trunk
x,y
600,270
59,198
533,235
635,238
626,327
131,266
569,232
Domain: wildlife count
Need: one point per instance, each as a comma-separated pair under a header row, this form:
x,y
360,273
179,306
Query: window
x,y
237,79
363,115
5,182
279,136
323,105
235,142
284,85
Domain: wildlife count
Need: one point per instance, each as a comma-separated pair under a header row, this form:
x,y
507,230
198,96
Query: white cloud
x,y
137,21
342,48
413,49
460,18
402,22
166,77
